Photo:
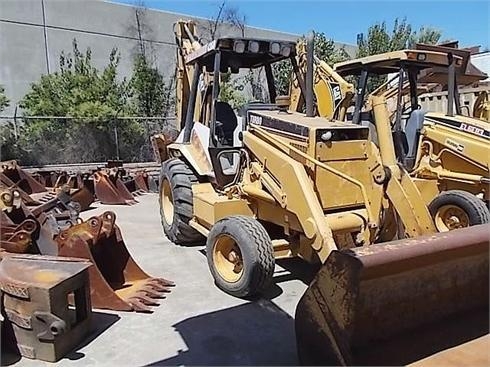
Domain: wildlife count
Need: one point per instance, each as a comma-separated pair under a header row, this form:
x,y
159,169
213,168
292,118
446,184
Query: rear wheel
x,y
240,256
176,180
458,209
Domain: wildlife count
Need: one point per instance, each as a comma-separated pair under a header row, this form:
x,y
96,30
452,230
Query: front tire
x,y
458,209
176,207
240,256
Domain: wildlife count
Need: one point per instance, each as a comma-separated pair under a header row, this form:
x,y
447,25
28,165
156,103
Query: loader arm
x,y
333,93
400,188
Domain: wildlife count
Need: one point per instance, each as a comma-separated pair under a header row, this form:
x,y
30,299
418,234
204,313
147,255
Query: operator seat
x,y
413,126
226,123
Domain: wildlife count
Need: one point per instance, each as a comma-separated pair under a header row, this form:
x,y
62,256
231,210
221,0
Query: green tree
x,y
8,138
4,101
88,103
231,91
380,40
325,49
427,35
150,92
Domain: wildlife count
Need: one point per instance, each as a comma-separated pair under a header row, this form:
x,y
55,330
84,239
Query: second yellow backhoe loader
x,y
272,183
447,154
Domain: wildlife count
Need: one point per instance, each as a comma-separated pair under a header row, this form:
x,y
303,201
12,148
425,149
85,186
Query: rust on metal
x,y
36,290
117,282
21,178
111,190
366,303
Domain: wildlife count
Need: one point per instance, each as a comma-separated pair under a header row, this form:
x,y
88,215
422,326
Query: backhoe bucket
x,y
109,192
21,178
116,282
398,302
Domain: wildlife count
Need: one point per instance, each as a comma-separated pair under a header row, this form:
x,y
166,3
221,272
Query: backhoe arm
x,y
333,93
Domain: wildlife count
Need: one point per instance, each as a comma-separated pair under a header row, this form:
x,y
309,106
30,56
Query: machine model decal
x,y
455,145
256,120
461,126
276,124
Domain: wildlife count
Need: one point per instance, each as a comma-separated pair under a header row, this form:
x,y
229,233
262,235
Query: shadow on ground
x,y
256,333
100,323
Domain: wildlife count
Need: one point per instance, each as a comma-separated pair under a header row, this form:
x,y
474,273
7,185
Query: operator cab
x,y
220,123
410,67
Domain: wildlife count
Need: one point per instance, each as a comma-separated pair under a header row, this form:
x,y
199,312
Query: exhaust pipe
x,y
309,75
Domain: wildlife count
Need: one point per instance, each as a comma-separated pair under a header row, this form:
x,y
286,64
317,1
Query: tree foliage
x,y
379,40
4,101
88,102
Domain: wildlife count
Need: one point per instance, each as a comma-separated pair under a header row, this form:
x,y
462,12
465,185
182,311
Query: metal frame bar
x,y
360,92
212,124
270,83
189,117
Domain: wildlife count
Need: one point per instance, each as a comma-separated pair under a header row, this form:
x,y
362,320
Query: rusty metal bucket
x,y
398,302
117,282
111,190
21,178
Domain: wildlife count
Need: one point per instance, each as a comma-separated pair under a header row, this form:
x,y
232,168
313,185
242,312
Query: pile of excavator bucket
x,y
55,266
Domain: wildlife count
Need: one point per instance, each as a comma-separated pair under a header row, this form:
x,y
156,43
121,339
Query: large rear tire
x,y
176,180
240,256
458,209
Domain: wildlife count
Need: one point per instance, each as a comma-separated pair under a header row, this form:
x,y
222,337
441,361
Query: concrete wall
x,y
34,32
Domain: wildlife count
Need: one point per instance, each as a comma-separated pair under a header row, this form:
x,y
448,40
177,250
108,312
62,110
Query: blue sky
x,y
467,21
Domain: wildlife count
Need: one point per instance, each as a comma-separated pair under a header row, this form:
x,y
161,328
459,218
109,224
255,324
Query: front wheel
x,y
176,203
240,256
458,209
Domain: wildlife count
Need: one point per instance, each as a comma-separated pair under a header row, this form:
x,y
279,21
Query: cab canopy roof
x,y
391,62
238,53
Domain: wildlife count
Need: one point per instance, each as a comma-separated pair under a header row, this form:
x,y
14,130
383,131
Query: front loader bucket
x,y
116,281
398,302
113,193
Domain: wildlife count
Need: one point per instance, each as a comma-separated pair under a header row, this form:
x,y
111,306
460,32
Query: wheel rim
x,y
167,202
449,217
227,258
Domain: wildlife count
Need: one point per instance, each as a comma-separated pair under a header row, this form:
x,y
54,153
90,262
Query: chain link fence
x,y
38,140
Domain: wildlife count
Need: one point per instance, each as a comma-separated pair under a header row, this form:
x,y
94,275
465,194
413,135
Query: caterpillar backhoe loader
x,y
292,184
447,155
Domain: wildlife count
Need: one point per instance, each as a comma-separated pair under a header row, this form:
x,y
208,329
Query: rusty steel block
x,y
111,190
36,291
116,281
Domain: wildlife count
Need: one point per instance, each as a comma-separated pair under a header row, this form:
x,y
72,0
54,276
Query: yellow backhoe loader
x,y
291,184
448,155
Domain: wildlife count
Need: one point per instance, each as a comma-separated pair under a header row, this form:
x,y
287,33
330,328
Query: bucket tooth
x,y
116,279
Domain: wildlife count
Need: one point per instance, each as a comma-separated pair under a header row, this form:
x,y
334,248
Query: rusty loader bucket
x,y
111,190
116,281
399,302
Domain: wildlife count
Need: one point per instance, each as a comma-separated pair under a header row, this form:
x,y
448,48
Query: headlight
x,y
421,57
239,47
285,51
275,48
253,46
